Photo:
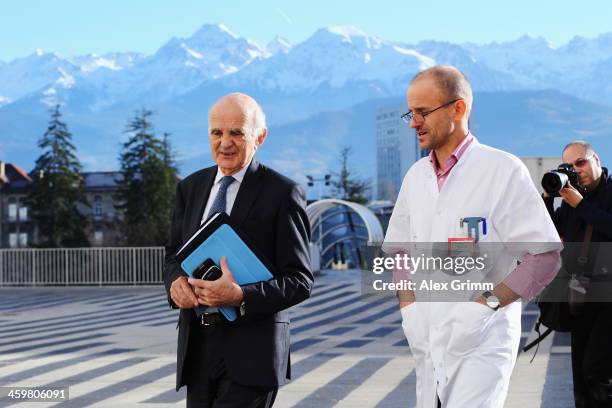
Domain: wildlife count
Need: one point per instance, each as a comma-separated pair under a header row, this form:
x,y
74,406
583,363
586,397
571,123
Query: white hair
x,y
258,119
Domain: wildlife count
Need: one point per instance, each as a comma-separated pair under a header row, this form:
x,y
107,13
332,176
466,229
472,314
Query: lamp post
x,y
325,179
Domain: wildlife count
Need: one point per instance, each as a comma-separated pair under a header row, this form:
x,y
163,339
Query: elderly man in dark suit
x,y
241,363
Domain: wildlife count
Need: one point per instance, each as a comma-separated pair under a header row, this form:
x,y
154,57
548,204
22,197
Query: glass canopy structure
x,y
339,229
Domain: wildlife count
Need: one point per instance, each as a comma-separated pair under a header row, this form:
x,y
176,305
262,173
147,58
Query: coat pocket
x,y
469,327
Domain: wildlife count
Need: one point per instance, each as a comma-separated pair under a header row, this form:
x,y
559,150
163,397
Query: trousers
x,y
208,384
591,344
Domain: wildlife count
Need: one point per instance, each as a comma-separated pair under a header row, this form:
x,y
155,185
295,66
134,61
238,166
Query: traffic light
x,y
310,181
327,179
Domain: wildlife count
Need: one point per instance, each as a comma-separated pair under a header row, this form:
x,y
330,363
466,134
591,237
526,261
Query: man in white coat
x,y
465,351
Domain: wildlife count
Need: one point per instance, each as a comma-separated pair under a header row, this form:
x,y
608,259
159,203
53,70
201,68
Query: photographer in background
x,y
586,216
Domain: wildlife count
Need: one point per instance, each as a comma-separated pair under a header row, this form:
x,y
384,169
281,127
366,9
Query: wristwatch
x,y
491,300
242,309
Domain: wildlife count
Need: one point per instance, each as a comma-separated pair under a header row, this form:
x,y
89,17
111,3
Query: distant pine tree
x,y
58,189
347,185
147,185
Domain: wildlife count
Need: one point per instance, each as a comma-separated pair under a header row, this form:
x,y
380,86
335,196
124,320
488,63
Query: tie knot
x,y
226,181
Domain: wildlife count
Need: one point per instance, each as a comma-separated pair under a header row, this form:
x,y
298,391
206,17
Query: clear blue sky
x,y
73,27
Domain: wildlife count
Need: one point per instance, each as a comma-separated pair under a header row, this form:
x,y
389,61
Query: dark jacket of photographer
x,y
595,208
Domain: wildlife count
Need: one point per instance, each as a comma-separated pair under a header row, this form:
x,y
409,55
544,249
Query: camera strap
x,y
583,258
588,235
581,276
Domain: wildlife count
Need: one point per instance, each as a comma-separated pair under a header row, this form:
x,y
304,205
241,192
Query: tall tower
x,y
397,148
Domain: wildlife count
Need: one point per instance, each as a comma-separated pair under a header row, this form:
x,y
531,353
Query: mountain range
x,y
318,95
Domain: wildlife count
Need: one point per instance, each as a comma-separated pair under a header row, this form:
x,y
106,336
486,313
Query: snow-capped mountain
x,y
535,63
212,52
114,61
333,70
42,71
177,67
278,45
332,56
331,59
32,73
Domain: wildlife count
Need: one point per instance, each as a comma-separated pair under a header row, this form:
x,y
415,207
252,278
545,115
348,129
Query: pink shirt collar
x,y
442,172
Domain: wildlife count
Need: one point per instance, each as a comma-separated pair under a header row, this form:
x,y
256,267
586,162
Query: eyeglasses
x,y
581,162
420,116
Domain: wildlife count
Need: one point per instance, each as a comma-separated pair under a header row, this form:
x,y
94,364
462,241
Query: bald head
x,y
586,162
240,105
450,82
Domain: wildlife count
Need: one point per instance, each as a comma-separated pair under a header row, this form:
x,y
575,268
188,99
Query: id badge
x,y
458,246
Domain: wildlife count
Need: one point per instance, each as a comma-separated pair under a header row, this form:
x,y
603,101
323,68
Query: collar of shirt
x,y
452,159
232,191
237,176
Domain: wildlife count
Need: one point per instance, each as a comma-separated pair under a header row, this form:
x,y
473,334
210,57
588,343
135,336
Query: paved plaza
x,y
115,347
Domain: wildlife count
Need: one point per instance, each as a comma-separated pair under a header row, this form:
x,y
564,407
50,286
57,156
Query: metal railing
x,y
81,266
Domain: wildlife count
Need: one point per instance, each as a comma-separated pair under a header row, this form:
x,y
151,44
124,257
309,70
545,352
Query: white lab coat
x,y
464,351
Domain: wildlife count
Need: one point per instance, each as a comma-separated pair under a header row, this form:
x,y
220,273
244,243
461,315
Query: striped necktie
x,y
219,203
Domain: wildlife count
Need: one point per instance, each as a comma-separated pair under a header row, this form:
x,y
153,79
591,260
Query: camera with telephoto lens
x,y
554,180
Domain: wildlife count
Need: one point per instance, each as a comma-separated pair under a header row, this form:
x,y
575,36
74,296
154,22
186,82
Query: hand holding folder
x,y
217,238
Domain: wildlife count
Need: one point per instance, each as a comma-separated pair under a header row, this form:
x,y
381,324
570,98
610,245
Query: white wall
x,y
537,166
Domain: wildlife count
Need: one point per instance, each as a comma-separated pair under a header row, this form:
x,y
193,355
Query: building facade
x,y
397,149
18,230
100,190
538,166
16,227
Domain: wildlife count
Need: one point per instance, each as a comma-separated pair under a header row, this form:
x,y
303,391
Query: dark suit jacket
x,y
269,210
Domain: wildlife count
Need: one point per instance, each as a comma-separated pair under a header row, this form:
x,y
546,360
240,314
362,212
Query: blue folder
x,y
215,239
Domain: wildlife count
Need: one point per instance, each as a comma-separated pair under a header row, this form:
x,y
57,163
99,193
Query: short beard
x,y
439,140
